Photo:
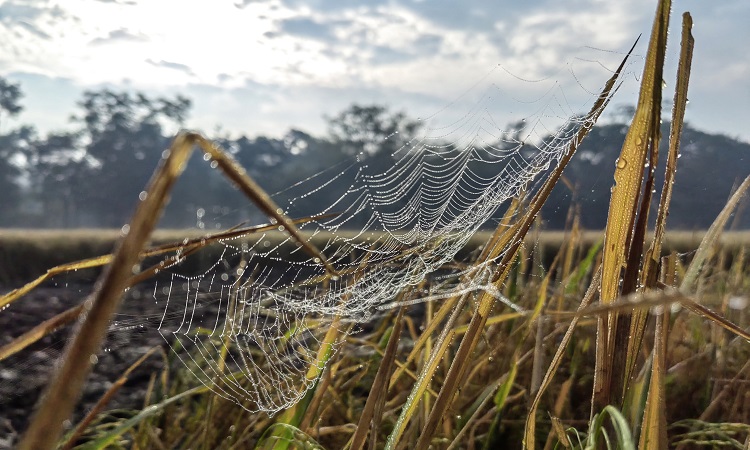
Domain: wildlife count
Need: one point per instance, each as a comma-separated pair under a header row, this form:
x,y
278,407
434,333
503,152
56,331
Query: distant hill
x,y
708,167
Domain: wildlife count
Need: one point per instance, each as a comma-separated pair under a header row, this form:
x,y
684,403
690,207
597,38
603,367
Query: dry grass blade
x,y
258,196
657,299
649,273
654,427
725,392
629,171
422,383
91,415
15,294
563,399
103,260
60,320
705,249
43,329
63,391
559,431
108,440
497,242
622,209
493,320
538,361
446,307
459,363
695,307
501,389
529,440
89,263
295,415
500,239
379,389
678,116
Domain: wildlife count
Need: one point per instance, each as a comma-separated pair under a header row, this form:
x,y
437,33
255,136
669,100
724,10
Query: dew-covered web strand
x,y
392,229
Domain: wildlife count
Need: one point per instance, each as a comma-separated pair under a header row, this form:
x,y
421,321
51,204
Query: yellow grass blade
x,y
295,415
529,439
535,320
650,264
454,306
378,391
15,294
62,393
563,398
654,427
459,363
43,329
60,320
559,430
492,320
678,115
705,250
501,389
624,203
103,260
629,170
491,250
422,384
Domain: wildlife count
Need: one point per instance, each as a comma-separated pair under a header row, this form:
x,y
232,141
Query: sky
x,y
261,67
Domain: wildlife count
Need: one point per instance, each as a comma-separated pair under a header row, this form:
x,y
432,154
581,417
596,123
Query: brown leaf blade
x,y
650,263
624,203
654,427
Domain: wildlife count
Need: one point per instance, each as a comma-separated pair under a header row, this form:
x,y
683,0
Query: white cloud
x,y
420,54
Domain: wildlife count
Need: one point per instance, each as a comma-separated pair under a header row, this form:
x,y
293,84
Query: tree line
x,y
92,174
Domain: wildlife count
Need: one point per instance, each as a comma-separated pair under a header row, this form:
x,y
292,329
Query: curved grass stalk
x,y
58,401
60,320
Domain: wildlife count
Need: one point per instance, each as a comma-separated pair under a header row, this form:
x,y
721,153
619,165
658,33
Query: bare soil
x,y
24,376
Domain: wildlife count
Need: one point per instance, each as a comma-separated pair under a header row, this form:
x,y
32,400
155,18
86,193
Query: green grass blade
x,y
111,436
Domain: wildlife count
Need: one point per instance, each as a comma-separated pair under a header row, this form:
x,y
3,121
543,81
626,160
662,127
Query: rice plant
x,y
592,349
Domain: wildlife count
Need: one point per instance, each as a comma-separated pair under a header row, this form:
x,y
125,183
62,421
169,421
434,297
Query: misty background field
x,y
91,175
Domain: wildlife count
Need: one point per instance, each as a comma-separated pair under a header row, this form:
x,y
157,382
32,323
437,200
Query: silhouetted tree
x,y
13,144
92,175
371,129
10,96
123,141
53,164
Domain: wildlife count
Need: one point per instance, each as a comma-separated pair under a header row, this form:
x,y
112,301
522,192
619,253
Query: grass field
x,y
27,254
706,401
639,340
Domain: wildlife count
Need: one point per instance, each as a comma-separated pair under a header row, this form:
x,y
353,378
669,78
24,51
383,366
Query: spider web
x,y
251,324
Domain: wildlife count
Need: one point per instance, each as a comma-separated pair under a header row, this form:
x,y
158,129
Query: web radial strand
x,y
251,325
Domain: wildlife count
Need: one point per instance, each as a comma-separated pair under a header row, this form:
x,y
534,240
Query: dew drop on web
x,y
385,227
